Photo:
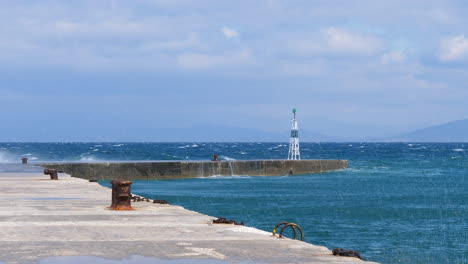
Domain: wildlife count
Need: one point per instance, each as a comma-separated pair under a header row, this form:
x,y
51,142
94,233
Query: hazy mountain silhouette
x,y
209,133
455,131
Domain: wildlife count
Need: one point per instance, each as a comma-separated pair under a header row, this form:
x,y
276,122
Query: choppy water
x,y
397,203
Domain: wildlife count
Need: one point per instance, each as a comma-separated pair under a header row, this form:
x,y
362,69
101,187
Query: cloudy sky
x,y
111,70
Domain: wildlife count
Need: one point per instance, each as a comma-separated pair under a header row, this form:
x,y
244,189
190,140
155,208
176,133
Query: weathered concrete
x,y
193,169
40,218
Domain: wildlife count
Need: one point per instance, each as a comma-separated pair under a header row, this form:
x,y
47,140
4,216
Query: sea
x,y
396,203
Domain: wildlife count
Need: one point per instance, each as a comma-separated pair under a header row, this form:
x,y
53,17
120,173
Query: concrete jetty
x,y
42,219
191,169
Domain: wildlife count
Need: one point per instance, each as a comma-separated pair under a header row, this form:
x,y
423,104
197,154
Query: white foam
x,y
6,158
118,145
87,158
226,158
458,150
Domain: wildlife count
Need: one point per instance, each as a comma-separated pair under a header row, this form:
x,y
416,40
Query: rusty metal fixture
x,y
215,158
52,172
346,253
277,226
24,160
293,227
121,195
160,202
222,220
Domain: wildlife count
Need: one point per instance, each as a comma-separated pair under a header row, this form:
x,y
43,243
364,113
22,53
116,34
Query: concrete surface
x,y
192,169
52,221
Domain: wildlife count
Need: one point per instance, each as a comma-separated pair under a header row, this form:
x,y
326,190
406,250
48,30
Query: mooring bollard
x,y
52,172
121,195
215,158
24,160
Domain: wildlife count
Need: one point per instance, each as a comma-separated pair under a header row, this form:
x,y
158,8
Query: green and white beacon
x,y
294,152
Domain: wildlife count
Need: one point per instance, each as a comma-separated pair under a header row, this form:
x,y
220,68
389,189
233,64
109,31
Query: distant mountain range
x,y
455,131
210,133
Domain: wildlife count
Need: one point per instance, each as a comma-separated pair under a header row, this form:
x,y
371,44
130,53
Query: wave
x,y
88,158
6,158
226,158
228,177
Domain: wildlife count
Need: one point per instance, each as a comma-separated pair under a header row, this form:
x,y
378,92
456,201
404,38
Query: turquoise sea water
x,y
397,203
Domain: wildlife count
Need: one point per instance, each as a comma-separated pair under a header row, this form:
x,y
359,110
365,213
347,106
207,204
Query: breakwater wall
x,y
194,169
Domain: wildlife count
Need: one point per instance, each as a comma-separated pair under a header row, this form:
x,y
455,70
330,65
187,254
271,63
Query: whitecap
x,y
458,150
27,154
33,158
6,158
95,149
229,176
226,158
87,158
118,145
243,153
182,147
194,146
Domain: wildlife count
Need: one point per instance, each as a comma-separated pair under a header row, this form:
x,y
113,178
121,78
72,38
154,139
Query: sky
x,y
125,70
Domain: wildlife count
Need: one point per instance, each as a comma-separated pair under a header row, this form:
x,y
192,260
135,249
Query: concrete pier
x,y
193,169
41,218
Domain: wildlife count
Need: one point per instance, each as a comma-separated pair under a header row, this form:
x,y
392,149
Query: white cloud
x,y
343,41
229,33
337,41
454,48
393,57
206,61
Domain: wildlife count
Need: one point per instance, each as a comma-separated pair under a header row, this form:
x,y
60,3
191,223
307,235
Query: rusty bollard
x,y
121,195
52,172
24,160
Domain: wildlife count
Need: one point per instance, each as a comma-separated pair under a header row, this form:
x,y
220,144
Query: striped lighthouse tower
x,y
294,153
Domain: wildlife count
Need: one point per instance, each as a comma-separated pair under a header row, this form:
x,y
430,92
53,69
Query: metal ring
x,y
293,226
278,225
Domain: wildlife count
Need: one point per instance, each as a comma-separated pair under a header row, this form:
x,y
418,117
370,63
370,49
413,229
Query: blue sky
x,y
108,70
